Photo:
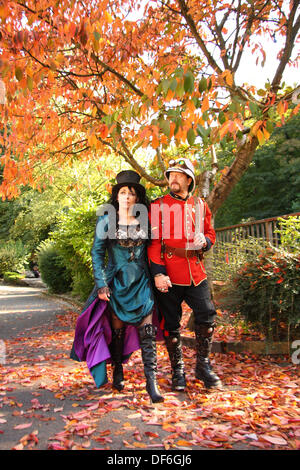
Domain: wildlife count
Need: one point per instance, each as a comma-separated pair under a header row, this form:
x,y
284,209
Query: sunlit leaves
x,y
19,73
68,68
202,85
189,82
164,125
191,136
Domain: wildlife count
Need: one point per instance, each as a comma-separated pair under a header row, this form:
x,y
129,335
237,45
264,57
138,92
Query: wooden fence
x,y
264,229
235,243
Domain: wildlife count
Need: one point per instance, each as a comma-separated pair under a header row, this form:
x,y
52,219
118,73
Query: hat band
x,y
178,164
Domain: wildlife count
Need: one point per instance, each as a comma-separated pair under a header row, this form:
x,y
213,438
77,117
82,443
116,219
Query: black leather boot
x,y
147,336
174,348
204,333
116,351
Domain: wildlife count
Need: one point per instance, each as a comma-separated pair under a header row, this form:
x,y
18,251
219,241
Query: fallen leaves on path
x,y
258,406
229,327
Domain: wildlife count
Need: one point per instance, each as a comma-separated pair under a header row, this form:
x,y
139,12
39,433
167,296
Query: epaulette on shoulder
x,y
157,199
198,197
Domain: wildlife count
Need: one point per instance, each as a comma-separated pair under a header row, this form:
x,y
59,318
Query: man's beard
x,y
177,189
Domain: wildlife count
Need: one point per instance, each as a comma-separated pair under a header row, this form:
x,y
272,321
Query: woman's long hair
x,y
141,196
141,199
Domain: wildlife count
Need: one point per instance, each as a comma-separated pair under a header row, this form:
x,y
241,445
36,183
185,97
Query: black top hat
x,y
128,178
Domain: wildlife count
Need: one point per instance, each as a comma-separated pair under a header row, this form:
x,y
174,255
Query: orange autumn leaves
x,y
87,80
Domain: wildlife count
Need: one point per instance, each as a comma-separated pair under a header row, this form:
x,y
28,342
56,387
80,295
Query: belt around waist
x,y
183,252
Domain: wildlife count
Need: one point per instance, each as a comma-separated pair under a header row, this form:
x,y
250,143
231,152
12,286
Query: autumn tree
x,y
87,78
275,167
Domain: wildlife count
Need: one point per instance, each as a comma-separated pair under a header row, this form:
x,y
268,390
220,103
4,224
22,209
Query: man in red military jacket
x,y
181,231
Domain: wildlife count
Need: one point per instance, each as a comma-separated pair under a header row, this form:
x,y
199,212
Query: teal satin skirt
x,y
131,294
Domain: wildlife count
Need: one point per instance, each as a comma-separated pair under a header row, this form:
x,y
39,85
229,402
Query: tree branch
x,y
243,42
160,160
200,42
235,41
291,33
63,150
222,44
117,74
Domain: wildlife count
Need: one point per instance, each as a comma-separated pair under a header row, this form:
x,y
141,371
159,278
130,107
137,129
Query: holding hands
x,y
162,282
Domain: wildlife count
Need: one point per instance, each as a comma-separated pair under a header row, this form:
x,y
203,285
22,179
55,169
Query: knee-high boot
x,y
147,336
174,348
204,333
116,351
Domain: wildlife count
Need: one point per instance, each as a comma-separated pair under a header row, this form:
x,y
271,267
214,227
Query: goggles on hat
x,y
178,163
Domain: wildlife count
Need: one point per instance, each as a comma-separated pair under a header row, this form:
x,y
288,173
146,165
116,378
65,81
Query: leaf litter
x,y
258,406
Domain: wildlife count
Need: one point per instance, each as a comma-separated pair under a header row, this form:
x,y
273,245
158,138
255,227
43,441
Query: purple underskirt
x,y
93,335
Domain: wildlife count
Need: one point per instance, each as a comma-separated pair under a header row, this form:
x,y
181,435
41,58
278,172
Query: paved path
x,y
26,313
22,308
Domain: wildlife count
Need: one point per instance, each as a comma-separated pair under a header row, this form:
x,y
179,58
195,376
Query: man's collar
x,y
179,197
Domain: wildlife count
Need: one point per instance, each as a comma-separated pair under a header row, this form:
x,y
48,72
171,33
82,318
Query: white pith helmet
x,y
182,165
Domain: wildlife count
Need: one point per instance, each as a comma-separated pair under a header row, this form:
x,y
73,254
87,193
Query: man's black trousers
x,y
198,299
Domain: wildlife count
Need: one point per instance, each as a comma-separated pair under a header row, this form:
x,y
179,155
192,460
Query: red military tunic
x,y
176,227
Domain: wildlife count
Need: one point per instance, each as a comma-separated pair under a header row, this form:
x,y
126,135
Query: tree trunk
x,y
223,188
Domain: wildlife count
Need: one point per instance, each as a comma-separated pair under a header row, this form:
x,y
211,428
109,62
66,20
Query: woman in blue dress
x,y
118,316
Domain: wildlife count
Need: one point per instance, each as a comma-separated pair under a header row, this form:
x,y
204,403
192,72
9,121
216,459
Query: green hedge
x,y
73,239
13,278
53,270
13,256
